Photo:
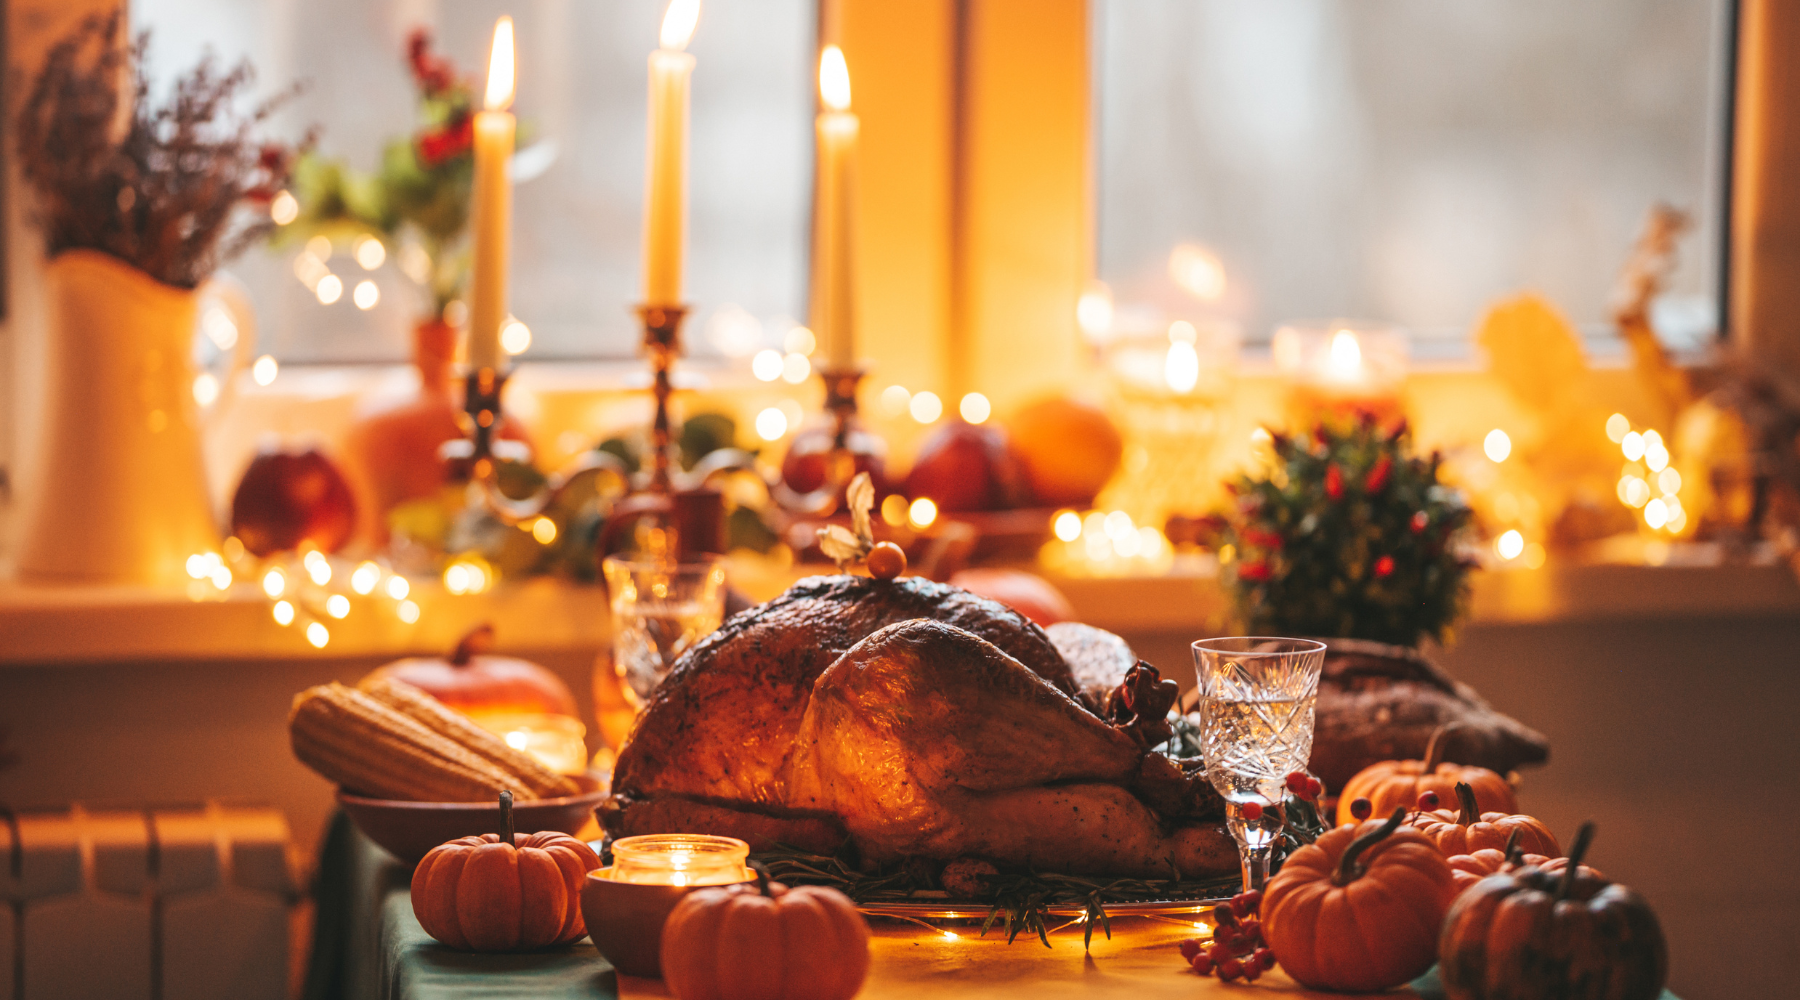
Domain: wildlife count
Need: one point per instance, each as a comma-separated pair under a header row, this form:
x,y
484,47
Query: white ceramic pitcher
x,y
122,494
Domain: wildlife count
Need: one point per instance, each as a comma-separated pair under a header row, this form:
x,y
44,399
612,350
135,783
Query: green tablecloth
x,y
369,945
414,966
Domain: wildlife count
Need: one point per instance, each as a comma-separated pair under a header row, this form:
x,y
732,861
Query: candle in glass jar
x,y
665,184
833,276
556,741
494,132
681,859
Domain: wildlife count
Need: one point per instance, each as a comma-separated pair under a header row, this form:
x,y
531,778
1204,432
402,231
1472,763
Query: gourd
x,y
506,892
1568,934
761,940
1469,830
1331,929
1391,783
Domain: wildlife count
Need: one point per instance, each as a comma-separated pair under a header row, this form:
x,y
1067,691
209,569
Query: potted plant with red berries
x,y
1350,536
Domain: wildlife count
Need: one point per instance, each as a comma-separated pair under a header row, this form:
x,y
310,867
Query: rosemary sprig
x,y
1020,900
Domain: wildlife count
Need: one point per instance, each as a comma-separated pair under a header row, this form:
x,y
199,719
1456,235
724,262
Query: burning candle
x,y
679,859
557,741
495,130
1340,365
833,276
665,185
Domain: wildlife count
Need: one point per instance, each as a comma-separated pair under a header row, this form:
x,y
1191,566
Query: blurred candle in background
x,y
495,130
665,184
1342,365
833,274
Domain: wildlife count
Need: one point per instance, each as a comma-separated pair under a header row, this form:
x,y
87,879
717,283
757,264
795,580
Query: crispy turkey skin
x,y
916,720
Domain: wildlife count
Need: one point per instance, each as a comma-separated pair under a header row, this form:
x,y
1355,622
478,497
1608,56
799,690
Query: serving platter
x,y
939,905
969,909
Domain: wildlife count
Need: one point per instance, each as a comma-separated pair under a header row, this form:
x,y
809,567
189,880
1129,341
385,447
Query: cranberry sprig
x,y
1304,786
1237,949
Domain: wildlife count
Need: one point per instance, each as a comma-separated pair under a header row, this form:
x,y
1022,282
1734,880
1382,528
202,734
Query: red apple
x,y
967,467
804,468
289,498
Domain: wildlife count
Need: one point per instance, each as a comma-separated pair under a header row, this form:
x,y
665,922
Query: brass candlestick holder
x,y
481,422
662,342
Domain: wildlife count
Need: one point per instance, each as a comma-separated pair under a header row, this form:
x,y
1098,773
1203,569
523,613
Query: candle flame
x,y
834,79
500,67
1346,353
678,24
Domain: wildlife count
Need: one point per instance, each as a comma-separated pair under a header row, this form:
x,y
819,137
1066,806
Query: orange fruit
x,y
1069,450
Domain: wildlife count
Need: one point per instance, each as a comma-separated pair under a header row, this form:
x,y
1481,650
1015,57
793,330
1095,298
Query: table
x,y
374,948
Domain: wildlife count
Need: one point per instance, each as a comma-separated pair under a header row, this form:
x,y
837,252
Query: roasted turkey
x,y
912,720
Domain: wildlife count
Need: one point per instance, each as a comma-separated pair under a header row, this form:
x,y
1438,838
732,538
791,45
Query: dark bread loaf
x,y
1379,702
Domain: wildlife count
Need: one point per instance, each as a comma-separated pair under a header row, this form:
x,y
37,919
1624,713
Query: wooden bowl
x,y
625,920
409,830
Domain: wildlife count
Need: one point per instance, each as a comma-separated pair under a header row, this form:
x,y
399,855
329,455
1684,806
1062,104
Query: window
x,y
1408,161
577,225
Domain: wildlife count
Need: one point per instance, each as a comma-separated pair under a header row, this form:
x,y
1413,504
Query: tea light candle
x,y
626,905
1342,357
557,741
1339,365
679,859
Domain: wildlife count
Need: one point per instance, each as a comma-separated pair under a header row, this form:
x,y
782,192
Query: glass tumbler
x,y
1256,727
660,610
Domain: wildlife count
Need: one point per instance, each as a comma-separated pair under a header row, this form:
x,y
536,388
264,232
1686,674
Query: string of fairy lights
x,y
308,590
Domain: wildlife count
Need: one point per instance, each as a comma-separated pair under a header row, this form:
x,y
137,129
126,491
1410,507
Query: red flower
x,y
1379,475
1253,571
1384,566
1334,482
446,143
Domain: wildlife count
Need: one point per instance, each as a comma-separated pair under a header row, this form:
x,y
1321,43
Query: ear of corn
x,y
435,716
365,746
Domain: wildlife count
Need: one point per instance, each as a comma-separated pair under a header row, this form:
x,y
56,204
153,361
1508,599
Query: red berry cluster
x,y
1305,786
1237,949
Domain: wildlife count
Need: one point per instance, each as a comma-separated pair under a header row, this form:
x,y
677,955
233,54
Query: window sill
x,y
71,626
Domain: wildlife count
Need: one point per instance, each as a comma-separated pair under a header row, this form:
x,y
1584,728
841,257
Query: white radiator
x,y
156,904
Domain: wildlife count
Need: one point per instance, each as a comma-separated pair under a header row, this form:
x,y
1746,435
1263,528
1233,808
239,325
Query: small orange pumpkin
x,y
1330,932
1470,830
1468,869
1391,783
511,892
477,683
764,941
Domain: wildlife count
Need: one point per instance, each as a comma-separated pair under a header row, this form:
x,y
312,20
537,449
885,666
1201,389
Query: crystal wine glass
x,y
660,610
1256,727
